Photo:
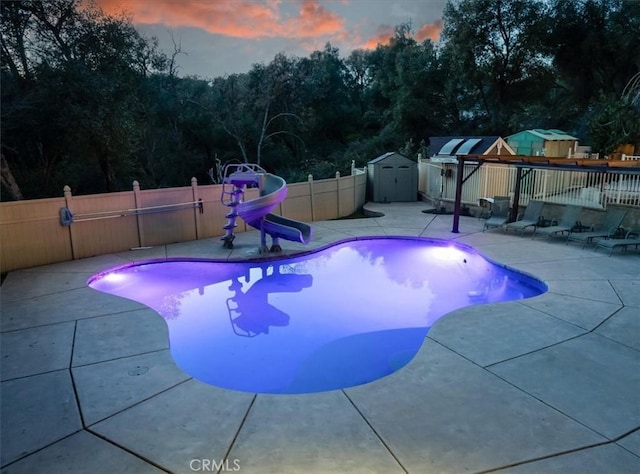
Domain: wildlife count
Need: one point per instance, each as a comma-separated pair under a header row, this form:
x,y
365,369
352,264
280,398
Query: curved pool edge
x,y
322,358
304,253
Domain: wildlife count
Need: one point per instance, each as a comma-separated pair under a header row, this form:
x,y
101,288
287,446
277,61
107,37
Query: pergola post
x,y
516,195
457,205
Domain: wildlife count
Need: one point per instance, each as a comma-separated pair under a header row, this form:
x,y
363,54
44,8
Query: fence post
x,y
67,202
485,175
619,193
196,209
355,186
310,180
136,201
338,193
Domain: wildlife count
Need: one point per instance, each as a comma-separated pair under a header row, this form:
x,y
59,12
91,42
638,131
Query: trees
x,y
277,110
229,106
595,46
359,75
613,122
417,102
397,92
255,108
616,119
87,101
494,49
69,102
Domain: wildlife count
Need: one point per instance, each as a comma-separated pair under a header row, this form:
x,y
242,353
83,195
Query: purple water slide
x,y
257,212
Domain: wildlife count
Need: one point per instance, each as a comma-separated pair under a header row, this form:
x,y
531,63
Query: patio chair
x,y
608,228
631,238
531,217
569,220
499,213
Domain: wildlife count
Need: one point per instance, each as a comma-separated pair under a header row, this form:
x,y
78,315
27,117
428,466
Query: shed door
x,y
404,191
387,182
396,184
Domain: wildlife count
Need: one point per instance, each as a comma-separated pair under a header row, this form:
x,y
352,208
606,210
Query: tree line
x,y
89,102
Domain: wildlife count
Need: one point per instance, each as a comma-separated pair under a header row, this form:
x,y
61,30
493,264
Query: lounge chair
x,y
606,229
499,213
568,221
531,217
631,238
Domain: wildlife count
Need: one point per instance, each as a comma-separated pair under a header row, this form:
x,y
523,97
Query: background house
x,y
580,186
442,154
538,142
445,149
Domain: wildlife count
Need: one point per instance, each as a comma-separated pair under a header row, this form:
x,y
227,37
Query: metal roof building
x,y
445,149
538,142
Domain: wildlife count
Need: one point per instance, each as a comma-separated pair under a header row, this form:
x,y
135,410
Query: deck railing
x,y
584,188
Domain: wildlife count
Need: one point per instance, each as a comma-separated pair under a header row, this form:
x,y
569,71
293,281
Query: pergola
x,y
524,165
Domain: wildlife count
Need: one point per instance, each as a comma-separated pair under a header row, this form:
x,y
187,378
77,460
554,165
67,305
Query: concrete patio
x,y
545,385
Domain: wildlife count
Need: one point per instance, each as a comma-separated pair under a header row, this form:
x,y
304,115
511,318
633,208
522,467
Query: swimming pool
x,y
343,315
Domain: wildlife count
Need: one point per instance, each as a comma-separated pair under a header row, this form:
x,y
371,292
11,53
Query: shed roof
x,y
449,147
387,155
549,135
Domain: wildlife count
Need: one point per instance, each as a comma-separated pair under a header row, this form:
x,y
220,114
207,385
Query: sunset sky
x,y
223,37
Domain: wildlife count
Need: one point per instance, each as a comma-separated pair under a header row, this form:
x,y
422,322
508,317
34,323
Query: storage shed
x,y
392,177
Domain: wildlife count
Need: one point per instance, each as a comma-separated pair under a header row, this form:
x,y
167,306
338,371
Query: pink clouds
x,y
229,36
429,31
307,20
382,37
385,33
238,19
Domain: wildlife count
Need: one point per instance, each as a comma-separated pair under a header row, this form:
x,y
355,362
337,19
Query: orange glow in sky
x,y
249,19
238,19
294,25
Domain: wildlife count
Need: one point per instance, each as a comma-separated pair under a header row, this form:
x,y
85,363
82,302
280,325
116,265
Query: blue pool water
x,y
341,316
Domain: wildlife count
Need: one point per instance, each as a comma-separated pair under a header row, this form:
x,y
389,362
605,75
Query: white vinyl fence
x,y
584,188
39,231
